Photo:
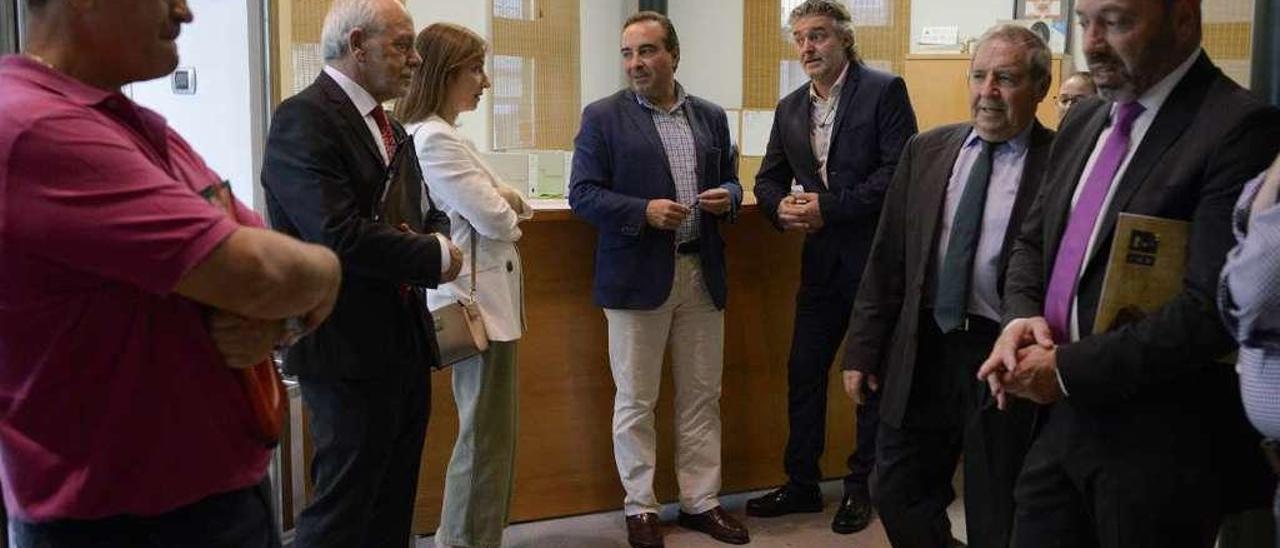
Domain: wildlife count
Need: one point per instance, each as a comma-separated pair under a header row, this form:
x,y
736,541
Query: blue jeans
x,y
238,519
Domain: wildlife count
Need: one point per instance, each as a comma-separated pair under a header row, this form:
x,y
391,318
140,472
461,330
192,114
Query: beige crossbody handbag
x,y
459,329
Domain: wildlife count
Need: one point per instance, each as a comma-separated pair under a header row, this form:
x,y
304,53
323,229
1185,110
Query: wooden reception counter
x,y
564,462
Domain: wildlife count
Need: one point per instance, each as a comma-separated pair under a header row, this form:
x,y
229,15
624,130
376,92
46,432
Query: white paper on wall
x,y
1043,9
735,126
756,125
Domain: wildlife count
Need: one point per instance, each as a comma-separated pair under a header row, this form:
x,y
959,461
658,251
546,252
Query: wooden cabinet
x,y
939,89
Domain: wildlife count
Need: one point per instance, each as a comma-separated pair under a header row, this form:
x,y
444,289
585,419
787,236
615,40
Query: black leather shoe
x,y
853,515
644,531
717,523
783,501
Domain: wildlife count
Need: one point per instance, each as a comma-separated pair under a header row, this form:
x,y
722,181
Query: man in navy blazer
x,y
654,171
837,139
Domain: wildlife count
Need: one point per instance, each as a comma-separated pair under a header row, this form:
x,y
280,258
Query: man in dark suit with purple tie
x,y
1143,442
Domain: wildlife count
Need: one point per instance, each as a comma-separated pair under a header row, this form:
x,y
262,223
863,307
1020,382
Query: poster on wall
x,y
1042,9
1049,18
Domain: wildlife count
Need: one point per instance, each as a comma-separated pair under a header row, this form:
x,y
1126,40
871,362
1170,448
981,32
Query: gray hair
x,y
1038,56
345,16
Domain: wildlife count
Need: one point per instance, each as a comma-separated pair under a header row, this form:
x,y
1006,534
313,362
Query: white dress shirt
x,y
365,103
1007,162
1152,100
823,113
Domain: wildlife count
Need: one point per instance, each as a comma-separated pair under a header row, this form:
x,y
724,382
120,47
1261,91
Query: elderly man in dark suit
x,y
654,172
929,305
838,139
335,174
1144,442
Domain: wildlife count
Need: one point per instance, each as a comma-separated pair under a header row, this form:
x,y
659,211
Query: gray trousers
x,y
477,485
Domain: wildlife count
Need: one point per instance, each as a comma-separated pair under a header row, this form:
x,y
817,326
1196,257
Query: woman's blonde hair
x,y
445,48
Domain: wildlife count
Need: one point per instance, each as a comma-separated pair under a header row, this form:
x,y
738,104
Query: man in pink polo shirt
x,y
127,300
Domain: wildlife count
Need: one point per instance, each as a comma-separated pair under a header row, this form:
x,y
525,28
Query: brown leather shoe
x,y
644,531
717,523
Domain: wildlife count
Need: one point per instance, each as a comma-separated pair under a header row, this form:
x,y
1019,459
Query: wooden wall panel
x,y
939,88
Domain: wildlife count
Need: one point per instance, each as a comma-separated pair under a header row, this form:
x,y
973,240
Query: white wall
x,y
219,120
972,16
474,15
599,33
710,48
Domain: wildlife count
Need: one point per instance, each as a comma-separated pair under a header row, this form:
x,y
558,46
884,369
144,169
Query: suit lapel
x,y
1175,115
851,80
1028,186
934,188
347,112
643,121
1064,183
701,141
798,126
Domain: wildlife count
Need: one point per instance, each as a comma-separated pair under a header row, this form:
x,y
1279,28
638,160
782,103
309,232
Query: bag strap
x,y
474,235
472,297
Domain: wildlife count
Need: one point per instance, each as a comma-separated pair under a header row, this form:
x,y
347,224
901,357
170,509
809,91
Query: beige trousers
x,y
690,325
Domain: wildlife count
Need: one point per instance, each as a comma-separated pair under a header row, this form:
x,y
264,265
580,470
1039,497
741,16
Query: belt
x,y
689,248
1271,448
972,323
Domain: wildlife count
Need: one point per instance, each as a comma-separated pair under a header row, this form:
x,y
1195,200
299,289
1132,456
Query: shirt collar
x,y
42,75
1155,97
836,88
1017,144
363,101
680,98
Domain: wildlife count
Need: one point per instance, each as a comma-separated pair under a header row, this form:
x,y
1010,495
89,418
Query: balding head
x,y
107,44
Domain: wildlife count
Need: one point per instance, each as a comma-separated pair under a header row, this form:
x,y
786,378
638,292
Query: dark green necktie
x,y
952,300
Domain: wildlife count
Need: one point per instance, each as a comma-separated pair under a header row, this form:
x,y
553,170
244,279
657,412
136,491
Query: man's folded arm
x,y
261,274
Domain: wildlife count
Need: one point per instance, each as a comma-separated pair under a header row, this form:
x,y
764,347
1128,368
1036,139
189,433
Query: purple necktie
x,y
1084,216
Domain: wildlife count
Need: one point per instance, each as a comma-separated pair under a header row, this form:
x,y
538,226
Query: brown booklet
x,y
1145,270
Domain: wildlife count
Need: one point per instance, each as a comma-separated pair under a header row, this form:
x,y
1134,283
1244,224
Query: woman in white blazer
x,y
485,213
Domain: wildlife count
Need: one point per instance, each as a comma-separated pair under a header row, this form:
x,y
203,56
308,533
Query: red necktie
x,y
389,141
384,126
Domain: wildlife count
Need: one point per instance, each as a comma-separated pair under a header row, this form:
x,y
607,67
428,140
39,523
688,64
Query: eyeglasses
x,y
1066,100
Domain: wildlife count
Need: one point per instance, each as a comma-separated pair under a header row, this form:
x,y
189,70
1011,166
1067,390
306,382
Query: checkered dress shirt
x,y
1249,299
682,156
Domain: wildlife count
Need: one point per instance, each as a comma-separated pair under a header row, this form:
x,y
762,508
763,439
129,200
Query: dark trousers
x,y
238,519
1136,488
949,413
822,315
368,437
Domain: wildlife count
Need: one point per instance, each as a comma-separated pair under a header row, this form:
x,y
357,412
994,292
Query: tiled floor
x,y
606,530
